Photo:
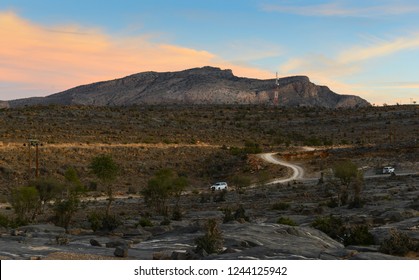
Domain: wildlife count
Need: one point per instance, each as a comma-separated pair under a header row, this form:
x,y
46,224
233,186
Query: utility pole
x,y
33,143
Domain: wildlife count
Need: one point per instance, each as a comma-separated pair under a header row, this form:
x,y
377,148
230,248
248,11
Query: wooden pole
x,y
37,160
30,160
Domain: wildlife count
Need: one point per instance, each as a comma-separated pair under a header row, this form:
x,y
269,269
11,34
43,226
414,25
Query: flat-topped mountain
x,y
206,85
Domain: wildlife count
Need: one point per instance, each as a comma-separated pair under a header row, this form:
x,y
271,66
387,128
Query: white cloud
x,y
338,9
336,70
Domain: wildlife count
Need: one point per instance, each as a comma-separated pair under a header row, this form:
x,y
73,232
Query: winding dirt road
x,y
298,171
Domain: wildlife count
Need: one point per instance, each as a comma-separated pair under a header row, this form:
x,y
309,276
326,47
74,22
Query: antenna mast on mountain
x,y
276,93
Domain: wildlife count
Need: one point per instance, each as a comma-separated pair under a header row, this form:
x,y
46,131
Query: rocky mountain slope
x,y
206,85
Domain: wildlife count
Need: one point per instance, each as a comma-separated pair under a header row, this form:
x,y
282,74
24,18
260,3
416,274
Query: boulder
x,y
121,252
95,243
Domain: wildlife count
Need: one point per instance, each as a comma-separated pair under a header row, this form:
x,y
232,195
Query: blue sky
x,y
367,48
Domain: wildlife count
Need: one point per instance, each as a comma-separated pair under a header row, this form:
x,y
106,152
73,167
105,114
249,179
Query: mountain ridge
x,y
205,85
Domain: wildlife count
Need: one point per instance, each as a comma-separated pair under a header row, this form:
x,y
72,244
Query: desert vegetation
x,y
145,171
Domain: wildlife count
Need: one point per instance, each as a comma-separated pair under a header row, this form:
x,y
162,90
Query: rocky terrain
x,y
392,203
210,143
206,85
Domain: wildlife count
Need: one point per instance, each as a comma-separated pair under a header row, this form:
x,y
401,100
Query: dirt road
x,y
298,171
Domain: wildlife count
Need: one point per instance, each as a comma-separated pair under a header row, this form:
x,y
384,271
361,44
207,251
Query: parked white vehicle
x,y
219,186
388,170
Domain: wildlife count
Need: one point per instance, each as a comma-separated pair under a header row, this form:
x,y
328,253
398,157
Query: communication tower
x,y
276,92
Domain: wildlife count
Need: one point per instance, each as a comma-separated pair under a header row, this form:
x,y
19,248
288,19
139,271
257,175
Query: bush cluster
x,y
103,222
286,221
399,244
212,242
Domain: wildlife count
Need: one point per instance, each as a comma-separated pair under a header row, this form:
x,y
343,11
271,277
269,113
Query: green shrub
x,y
177,214
280,206
239,215
103,222
331,225
145,222
332,203
212,241
358,235
398,244
95,220
252,148
64,211
110,222
4,221
285,221
26,203
165,184
228,215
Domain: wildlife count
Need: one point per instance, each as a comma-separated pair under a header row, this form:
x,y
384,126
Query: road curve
x,y
298,171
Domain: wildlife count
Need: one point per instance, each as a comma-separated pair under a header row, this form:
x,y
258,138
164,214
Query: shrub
x,y
280,206
252,147
239,215
349,175
95,220
110,222
177,214
240,182
4,221
145,222
26,203
220,196
106,170
332,226
204,198
228,215
398,244
165,222
132,190
104,222
64,211
285,221
212,241
48,189
358,235
164,184
332,203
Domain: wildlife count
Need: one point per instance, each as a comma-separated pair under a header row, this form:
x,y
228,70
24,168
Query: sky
x,y
365,48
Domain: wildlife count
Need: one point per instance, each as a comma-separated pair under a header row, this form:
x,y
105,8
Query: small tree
x,y
212,241
165,183
25,201
65,209
347,172
106,170
73,183
48,189
240,182
68,205
263,179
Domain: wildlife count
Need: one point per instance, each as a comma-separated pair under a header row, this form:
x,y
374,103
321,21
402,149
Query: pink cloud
x,y
61,57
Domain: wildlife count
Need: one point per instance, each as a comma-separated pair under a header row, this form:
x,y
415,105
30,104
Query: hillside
x,y
206,85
